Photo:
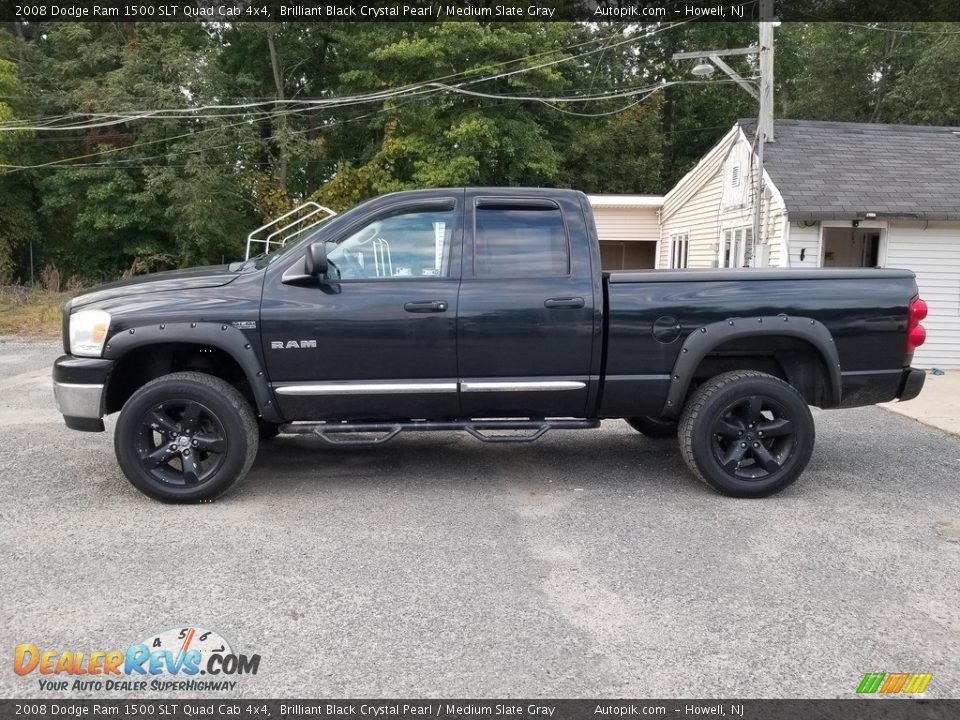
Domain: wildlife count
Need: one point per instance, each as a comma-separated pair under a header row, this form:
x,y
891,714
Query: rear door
x,y
377,340
526,315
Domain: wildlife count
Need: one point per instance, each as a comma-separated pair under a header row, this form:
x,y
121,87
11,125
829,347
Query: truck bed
x,y
651,313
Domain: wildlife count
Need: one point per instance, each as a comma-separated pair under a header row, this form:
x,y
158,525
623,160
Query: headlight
x,y
88,331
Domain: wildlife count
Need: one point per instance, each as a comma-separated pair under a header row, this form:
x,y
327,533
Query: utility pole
x,y
708,59
764,119
767,22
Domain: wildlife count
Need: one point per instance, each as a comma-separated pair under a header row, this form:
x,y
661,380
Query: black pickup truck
x,y
484,310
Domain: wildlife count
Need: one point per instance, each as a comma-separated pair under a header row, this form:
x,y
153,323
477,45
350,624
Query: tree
x,y
621,153
160,192
18,221
697,113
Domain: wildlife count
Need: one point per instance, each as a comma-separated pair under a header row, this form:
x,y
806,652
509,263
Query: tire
x,y
186,437
653,427
746,434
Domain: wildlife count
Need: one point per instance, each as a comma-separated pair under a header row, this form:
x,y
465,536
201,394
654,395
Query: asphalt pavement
x,y
590,563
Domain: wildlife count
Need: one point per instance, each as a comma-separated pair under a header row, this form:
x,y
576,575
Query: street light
x,y
703,68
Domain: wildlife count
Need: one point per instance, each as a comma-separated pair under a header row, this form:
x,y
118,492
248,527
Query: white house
x,y
835,195
629,230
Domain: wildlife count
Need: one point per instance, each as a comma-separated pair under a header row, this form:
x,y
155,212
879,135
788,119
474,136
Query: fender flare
x,y
705,339
219,335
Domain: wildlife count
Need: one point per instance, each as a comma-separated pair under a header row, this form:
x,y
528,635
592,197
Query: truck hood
x,y
210,276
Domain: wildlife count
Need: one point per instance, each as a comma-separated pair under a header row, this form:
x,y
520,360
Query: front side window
x,y
520,241
405,243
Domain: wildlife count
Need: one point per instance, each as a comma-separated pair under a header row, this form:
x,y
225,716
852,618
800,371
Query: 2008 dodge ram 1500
x,y
485,310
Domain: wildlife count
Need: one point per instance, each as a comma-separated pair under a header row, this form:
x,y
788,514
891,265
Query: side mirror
x,y
315,261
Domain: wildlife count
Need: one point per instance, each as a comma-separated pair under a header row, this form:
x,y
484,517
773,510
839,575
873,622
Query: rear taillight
x,y
916,334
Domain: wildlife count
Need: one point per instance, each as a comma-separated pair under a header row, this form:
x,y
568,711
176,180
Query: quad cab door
x,y
528,322
377,339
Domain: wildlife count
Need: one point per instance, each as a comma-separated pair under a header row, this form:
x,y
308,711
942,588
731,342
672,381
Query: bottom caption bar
x,y
889,709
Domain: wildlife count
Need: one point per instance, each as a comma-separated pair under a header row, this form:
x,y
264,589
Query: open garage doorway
x,y
851,247
635,255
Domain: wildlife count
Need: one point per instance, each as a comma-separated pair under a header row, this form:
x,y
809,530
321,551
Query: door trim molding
x,y
338,387
406,387
474,386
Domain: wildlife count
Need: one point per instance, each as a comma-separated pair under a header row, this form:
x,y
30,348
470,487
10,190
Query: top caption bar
x,y
630,11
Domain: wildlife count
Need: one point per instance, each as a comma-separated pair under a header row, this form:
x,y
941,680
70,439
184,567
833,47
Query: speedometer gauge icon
x,y
185,638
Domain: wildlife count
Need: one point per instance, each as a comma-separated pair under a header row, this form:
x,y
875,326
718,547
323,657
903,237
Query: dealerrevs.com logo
x,y
186,659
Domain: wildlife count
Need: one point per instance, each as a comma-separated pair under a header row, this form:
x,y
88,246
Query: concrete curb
x,y
938,404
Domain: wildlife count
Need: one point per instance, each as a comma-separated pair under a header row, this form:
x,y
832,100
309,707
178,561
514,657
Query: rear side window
x,y
519,241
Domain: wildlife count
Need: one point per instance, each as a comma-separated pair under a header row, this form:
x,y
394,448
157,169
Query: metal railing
x,y
305,218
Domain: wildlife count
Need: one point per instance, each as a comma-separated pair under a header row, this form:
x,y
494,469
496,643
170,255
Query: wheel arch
x,y
779,344
144,353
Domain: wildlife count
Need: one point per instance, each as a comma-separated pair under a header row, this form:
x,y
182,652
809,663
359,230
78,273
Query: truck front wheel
x,y
186,437
746,434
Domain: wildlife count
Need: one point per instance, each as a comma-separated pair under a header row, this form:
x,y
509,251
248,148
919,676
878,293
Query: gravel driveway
x,y
590,563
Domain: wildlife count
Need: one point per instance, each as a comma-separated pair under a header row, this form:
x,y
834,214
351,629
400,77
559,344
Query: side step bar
x,y
374,433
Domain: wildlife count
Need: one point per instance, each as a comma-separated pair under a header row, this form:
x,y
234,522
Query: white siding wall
x,y
627,223
775,217
694,206
932,251
804,237
704,204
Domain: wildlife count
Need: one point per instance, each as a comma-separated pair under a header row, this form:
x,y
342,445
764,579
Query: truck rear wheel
x,y
653,427
186,437
746,434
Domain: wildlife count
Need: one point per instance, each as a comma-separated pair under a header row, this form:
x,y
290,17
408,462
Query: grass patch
x,y
33,312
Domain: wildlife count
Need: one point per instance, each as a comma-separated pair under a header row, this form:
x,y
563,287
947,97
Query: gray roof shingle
x,y
845,170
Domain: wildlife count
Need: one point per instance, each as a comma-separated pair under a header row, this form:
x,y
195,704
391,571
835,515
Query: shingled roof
x,y
835,170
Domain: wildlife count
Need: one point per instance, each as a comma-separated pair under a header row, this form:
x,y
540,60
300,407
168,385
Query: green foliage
x,y
698,113
163,192
18,223
622,153
898,74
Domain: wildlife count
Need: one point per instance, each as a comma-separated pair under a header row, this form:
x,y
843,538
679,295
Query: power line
x,y
97,120
420,89
902,31
61,163
646,92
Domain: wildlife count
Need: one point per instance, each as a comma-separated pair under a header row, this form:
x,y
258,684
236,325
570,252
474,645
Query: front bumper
x,y
79,386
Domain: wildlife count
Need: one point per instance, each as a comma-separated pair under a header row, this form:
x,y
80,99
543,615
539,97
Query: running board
x,y
340,433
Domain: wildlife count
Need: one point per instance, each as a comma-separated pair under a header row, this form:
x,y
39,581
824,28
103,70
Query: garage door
x,y
934,255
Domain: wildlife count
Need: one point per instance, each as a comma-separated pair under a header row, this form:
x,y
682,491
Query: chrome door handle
x,y
425,306
569,302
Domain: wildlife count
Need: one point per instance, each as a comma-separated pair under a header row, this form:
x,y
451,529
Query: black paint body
x,y
618,334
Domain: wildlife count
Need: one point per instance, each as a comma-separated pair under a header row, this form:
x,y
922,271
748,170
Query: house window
x,y
733,246
679,250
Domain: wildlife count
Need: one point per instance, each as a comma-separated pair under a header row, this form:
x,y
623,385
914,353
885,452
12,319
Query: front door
x,y
526,310
377,339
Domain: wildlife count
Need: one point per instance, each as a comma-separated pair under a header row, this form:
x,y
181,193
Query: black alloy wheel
x,y
186,437
753,437
181,442
746,433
